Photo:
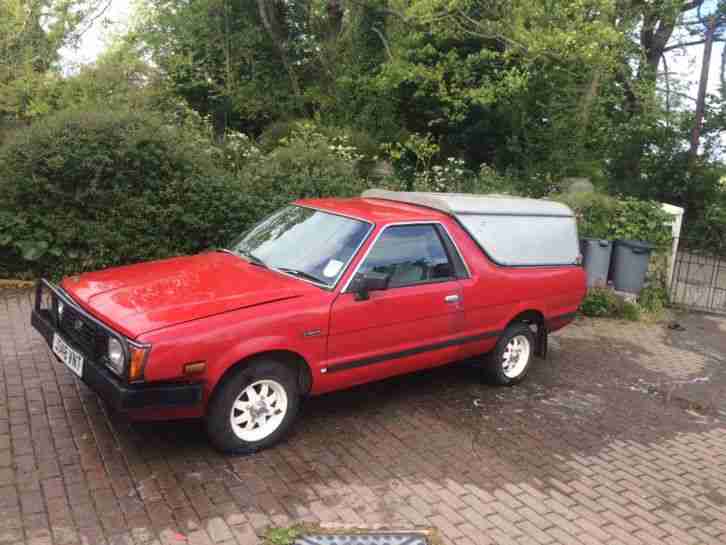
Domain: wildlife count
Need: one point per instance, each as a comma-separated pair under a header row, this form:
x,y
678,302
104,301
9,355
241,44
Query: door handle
x,y
452,298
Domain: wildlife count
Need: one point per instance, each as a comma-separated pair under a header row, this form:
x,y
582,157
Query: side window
x,y
409,254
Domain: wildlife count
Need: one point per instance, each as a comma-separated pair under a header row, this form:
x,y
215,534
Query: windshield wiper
x,y
303,274
246,254
252,258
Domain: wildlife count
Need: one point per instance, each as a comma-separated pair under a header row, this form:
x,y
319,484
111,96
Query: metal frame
x,y
399,224
687,263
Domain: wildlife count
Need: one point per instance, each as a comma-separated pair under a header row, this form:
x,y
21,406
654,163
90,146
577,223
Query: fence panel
x,y
699,280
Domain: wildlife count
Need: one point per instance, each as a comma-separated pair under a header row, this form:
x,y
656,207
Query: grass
x,y
283,536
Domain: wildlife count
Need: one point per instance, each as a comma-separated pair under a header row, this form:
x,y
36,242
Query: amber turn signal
x,y
195,367
136,362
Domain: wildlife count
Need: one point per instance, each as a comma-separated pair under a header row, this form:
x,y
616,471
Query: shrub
x,y
641,220
709,231
603,303
653,298
275,132
594,213
599,303
86,190
629,311
306,164
347,143
605,217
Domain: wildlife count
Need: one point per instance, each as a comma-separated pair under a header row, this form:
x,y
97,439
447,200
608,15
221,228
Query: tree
x,y
250,63
514,83
31,34
650,26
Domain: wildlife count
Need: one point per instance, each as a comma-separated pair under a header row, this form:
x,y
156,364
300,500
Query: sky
x,y
97,37
685,65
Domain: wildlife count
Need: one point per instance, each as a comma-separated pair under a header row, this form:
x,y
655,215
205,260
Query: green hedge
x,y
84,190
87,190
610,218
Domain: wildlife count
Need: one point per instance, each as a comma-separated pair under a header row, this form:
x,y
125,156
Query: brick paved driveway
x,y
617,438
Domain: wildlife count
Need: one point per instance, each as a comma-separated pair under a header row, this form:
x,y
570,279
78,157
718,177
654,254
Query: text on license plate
x,y
72,359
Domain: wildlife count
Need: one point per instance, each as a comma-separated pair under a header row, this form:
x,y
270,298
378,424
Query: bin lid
x,y
601,241
635,244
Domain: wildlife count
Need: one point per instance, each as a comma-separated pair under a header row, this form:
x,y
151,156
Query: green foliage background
x,y
86,190
205,115
610,218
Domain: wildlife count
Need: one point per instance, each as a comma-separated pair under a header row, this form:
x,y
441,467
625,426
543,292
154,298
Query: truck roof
x,y
383,206
468,203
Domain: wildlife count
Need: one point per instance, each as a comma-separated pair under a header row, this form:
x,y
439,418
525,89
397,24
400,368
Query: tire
x,y
503,369
257,391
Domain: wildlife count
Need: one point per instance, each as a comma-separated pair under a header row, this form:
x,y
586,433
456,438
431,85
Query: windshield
x,y
307,243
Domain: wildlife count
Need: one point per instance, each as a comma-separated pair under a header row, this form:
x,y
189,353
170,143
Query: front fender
x,y
310,351
226,339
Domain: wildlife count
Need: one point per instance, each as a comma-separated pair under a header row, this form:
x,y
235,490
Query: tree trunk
x,y
656,30
723,71
335,16
278,41
588,99
702,86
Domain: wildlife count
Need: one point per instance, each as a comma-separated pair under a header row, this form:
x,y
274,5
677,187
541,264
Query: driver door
x,y
410,325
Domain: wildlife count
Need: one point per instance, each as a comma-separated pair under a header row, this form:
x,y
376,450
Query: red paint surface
x,y
218,308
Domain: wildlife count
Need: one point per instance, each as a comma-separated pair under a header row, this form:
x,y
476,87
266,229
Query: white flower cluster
x,y
339,145
453,175
238,149
342,148
240,144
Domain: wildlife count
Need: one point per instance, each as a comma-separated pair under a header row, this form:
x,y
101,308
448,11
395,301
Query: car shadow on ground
x,y
588,393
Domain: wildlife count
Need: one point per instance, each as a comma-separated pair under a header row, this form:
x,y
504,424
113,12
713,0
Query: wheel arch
x,y
529,316
536,318
289,358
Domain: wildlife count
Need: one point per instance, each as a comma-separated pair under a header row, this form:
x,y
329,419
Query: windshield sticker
x,y
332,268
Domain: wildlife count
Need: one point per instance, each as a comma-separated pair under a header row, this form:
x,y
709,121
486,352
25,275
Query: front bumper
x,y
120,395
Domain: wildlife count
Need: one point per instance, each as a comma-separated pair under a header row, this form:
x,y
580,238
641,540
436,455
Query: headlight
x,y
61,307
115,356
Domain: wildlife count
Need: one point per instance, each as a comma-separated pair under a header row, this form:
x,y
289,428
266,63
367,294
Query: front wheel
x,y
510,360
254,408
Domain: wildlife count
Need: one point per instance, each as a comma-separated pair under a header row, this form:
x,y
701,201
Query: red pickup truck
x,y
322,295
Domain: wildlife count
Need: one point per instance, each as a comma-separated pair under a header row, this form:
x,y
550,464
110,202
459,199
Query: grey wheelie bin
x,y
596,260
630,264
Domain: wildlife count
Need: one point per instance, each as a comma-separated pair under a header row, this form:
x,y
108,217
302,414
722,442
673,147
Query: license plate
x,y
72,359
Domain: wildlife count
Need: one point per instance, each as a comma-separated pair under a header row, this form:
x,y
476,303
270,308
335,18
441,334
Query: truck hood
x,y
137,299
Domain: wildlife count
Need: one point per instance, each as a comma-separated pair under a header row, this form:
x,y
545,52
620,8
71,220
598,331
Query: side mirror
x,y
366,282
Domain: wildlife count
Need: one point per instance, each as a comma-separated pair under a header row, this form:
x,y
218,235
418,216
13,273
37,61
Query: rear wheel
x,y
510,360
254,408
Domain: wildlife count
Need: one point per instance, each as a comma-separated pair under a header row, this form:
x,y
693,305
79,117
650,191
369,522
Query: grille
x,y
89,337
